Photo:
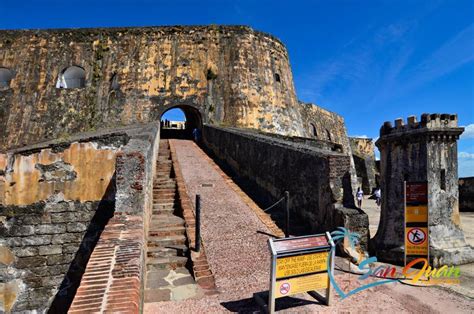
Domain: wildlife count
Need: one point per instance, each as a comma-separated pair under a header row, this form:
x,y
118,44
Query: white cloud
x,y
360,136
468,132
465,164
466,167
464,155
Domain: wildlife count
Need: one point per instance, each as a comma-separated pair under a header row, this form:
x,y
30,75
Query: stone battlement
x,y
434,121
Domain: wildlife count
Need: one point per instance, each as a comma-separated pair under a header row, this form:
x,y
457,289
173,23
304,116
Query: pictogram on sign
x,y
284,288
416,236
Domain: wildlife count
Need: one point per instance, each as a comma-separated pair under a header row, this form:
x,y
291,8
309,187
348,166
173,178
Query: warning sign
x,y
416,220
301,264
298,265
302,284
416,236
416,241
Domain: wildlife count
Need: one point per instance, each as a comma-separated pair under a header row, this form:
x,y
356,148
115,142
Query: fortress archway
x,y
179,128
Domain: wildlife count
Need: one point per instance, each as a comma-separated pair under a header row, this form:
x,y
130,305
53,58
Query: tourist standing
x,y
359,196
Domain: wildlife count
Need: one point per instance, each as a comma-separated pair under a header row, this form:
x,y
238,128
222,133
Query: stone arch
x,y
72,77
328,135
193,117
313,130
6,75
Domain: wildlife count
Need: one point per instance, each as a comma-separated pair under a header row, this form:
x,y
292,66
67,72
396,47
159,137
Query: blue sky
x,y
370,61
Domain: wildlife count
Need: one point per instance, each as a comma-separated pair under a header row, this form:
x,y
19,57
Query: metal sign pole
x,y
405,221
328,291
287,207
271,291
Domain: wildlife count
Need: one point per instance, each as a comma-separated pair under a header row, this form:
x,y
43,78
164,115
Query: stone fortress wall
x,y
363,153
57,197
233,75
466,194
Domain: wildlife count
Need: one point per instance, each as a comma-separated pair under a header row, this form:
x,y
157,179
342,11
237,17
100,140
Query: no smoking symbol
x,y
284,288
416,236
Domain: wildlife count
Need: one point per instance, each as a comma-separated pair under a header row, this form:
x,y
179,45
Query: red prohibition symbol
x,y
416,236
284,288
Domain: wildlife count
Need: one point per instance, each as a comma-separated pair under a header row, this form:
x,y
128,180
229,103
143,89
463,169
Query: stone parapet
x,y
439,126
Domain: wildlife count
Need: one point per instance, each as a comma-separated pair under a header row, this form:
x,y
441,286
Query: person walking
x,y
378,196
359,196
196,135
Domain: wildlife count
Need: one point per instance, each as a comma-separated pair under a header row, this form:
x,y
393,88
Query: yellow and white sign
x,y
286,287
301,264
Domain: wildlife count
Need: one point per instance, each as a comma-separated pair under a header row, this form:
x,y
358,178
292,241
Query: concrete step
x,y
172,250
168,262
164,193
161,203
164,202
161,211
166,241
165,180
164,221
167,231
158,186
158,182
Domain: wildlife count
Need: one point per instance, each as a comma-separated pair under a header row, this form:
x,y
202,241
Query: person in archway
x,y
378,196
196,135
359,196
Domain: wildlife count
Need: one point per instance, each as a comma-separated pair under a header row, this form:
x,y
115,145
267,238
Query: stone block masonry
x,y
363,153
424,151
230,75
51,220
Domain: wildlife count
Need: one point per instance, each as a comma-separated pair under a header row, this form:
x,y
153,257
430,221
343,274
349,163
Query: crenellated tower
x,y
421,151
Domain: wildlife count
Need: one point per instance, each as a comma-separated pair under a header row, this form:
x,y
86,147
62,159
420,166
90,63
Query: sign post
x,y
299,265
416,221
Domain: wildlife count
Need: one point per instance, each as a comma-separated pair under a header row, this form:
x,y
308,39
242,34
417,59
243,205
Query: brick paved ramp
x,y
239,256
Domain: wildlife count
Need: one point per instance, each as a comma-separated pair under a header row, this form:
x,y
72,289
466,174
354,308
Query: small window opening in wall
x,y
277,77
314,132
443,179
210,75
114,83
6,77
328,135
72,77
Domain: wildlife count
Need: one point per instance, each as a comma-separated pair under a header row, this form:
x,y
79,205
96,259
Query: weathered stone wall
x,y
466,194
363,153
318,180
232,74
424,151
114,277
56,200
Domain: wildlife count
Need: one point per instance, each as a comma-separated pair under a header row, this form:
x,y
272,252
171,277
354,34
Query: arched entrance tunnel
x,y
179,122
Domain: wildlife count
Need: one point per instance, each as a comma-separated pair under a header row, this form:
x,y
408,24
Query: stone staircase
x,y
167,277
